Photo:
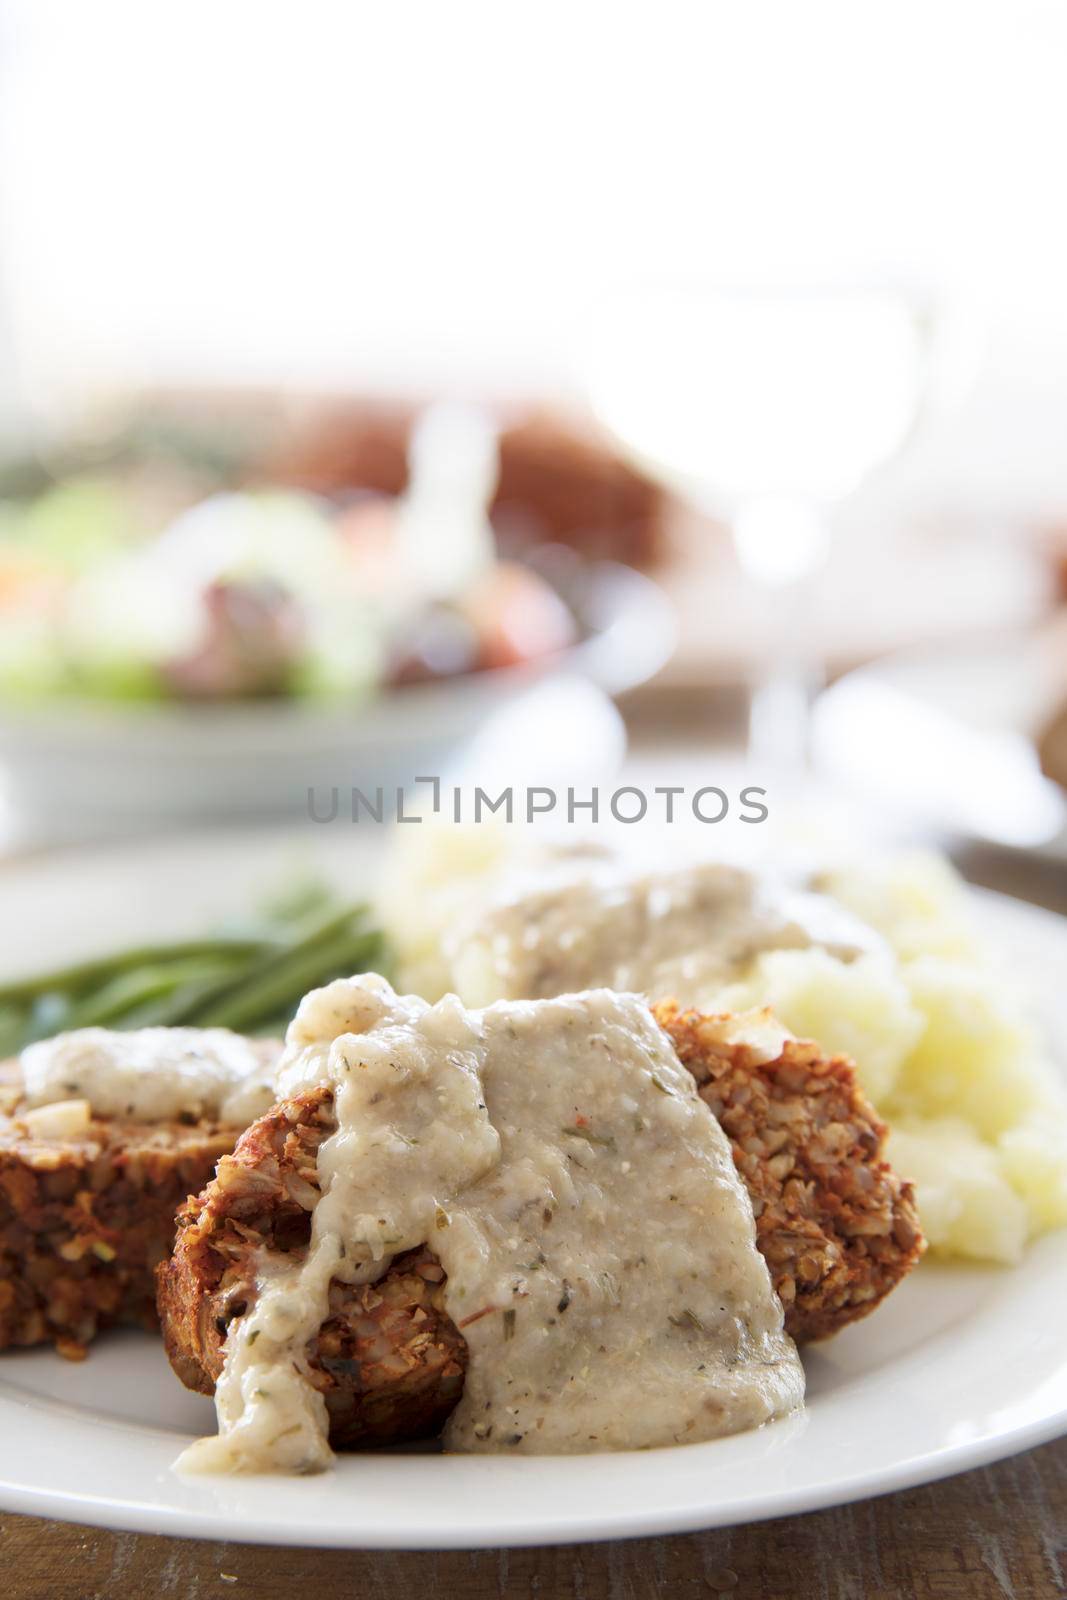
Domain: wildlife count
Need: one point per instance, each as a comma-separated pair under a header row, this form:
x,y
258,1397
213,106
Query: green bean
x,y
251,976
316,929
197,1003
177,1008
265,993
129,990
71,979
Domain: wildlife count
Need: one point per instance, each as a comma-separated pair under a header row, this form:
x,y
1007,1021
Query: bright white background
x,y
428,194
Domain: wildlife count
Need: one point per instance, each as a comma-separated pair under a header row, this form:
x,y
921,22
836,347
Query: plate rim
x,y
174,1522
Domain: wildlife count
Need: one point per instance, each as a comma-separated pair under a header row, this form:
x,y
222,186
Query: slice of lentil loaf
x,y
389,1362
836,1226
87,1213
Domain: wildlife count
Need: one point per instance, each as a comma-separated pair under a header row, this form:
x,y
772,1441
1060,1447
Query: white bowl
x,y
74,768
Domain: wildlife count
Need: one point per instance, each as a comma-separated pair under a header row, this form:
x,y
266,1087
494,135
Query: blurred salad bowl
x,y
170,649
74,765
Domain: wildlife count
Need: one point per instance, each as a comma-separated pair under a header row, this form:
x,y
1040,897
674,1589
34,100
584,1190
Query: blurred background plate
x,y
945,739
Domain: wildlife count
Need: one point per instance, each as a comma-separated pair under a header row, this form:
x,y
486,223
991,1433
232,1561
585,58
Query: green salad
x,y
140,586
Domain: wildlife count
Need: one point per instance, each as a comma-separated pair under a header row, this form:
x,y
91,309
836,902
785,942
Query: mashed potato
x,y
948,1055
942,1045
967,1206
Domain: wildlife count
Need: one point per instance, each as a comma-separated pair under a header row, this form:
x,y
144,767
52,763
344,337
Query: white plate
x,y
960,1367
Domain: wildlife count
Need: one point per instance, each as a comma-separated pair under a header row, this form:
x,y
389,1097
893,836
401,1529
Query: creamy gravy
x,y
684,933
599,1245
155,1074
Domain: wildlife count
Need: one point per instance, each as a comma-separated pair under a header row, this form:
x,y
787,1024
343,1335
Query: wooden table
x,y
996,1534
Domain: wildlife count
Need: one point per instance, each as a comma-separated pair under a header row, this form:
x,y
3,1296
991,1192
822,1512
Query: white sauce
x,y
684,933
155,1074
599,1245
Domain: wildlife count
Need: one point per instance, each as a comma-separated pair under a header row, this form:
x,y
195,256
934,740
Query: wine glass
x,y
768,406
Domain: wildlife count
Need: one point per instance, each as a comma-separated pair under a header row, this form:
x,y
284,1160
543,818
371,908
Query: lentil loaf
x,y
836,1226
87,1210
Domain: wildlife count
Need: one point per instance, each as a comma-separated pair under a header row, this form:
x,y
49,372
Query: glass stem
x,y
782,545
779,716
